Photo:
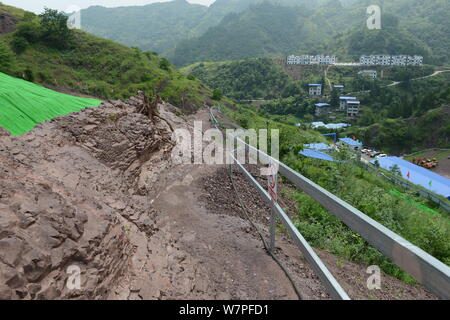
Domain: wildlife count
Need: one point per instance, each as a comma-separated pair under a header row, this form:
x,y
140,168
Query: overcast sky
x,y
37,6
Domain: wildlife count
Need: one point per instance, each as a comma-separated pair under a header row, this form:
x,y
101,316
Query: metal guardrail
x,y
443,204
426,269
333,287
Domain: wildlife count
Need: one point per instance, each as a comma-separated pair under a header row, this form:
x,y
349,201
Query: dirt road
x,y
203,254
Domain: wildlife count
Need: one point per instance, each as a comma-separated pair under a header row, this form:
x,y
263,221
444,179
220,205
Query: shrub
x,y
29,31
164,64
217,95
6,58
28,74
19,44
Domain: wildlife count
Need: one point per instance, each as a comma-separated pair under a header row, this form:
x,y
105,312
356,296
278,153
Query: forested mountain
x,y
262,30
391,39
157,27
267,29
160,26
238,29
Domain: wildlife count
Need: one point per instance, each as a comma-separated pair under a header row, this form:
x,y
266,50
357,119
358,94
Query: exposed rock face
x,y
68,196
7,23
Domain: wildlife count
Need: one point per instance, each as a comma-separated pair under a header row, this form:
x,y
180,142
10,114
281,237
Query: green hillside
x,y
25,104
157,27
80,62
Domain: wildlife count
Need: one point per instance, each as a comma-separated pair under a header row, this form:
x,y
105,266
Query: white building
x,y
388,60
343,102
369,73
315,89
308,60
353,107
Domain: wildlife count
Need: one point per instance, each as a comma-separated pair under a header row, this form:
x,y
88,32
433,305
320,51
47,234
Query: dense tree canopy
x,y
247,79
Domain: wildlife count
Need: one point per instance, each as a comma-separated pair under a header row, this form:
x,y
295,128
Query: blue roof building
x,y
316,155
318,146
317,124
337,125
330,125
320,107
352,108
418,175
350,142
343,102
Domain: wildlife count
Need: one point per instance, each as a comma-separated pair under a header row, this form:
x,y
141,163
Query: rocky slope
x,y
70,191
7,23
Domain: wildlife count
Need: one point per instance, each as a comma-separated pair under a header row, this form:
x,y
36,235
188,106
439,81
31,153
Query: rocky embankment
x,y
69,192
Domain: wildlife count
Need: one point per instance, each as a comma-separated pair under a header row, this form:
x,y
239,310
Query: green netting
x,y
24,104
411,201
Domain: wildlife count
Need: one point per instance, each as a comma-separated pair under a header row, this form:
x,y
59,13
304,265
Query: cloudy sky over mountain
x,y
38,6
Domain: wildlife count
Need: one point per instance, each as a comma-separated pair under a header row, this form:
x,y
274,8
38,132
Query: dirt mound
x,y
70,193
7,23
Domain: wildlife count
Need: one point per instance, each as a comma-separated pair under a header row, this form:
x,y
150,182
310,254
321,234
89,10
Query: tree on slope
x,y
56,33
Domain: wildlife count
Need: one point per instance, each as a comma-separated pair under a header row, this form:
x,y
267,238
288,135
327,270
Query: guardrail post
x,y
272,228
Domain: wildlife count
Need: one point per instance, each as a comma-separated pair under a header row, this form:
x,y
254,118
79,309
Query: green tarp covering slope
x,y
24,104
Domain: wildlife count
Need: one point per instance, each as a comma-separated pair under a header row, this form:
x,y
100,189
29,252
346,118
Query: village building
x,y
388,60
322,108
315,89
353,107
349,143
309,60
343,102
369,73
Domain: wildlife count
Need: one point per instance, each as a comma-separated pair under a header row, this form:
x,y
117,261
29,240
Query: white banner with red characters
x,y
273,181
